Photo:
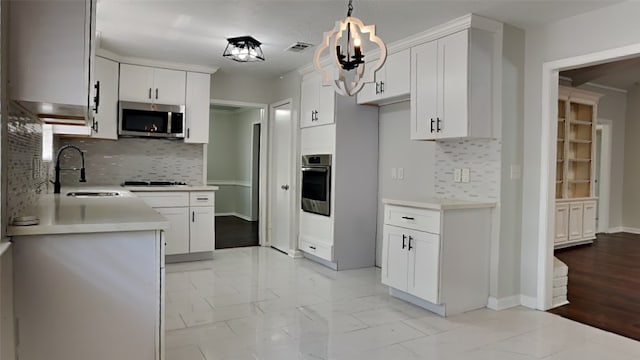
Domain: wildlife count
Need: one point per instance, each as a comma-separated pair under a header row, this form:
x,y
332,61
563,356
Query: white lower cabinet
x,y
575,222
437,259
177,236
192,218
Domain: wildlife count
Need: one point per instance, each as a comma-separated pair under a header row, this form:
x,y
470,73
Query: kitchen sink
x,y
87,194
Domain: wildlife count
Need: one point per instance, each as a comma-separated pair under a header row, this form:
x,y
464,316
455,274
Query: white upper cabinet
x,y
451,92
105,118
392,81
50,51
148,84
317,105
197,108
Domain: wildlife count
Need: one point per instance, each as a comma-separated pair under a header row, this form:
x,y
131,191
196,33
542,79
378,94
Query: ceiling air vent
x,y
298,47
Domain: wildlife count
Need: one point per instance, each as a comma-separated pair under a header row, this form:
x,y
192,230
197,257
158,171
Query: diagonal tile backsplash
x,y
111,162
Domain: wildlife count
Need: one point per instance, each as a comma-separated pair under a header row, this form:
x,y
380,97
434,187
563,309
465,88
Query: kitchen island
x,y
89,279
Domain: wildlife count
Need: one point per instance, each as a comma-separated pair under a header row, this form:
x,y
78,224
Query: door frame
x,y
264,144
294,176
604,176
549,128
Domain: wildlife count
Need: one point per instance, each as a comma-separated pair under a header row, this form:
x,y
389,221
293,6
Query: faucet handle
x,y
83,178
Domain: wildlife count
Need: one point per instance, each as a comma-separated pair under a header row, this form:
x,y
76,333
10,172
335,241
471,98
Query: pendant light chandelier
x,y
345,45
243,49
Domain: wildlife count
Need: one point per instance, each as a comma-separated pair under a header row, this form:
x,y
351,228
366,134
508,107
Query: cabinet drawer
x,y
323,251
203,198
164,199
412,218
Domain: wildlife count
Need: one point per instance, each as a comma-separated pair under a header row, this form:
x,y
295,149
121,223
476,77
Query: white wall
x,y
247,88
395,150
602,29
631,202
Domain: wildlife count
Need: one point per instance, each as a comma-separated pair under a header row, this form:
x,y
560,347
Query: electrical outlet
x,y
394,174
400,173
465,175
457,175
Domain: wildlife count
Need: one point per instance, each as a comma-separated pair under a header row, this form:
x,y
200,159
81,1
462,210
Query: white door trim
x,y
293,176
546,218
264,143
604,185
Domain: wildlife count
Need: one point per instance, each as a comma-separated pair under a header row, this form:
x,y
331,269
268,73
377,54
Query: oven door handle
x,y
315,169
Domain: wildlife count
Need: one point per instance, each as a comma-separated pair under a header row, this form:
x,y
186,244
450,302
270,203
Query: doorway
x,y
234,164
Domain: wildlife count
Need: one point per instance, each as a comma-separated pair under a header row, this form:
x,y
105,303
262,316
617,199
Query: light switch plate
x,y
394,174
400,173
457,175
465,175
516,171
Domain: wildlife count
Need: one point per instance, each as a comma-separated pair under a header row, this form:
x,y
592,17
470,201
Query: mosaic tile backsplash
x,y
28,173
482,157
111,162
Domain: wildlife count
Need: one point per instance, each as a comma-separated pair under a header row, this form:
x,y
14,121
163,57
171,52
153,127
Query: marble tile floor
x,y
258,304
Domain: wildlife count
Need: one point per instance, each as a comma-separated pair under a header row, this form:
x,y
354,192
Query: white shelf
x,y
579,181
580,141
580,160
580,122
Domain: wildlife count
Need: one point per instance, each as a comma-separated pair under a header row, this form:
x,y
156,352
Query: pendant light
x,y
243,49
345,45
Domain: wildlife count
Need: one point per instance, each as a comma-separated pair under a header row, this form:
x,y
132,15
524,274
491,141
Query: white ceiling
x,y
195,31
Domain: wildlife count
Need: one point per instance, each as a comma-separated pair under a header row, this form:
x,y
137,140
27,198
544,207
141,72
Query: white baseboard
x,y
529,301
241,216
296,254
615,229
503,303
631,230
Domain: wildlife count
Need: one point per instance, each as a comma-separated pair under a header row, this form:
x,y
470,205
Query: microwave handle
x,y
315,169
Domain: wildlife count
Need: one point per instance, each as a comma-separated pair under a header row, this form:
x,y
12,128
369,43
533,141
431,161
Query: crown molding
x,y
154,63
434,33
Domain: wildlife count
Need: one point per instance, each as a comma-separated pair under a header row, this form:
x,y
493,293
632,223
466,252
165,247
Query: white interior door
x,y
281,184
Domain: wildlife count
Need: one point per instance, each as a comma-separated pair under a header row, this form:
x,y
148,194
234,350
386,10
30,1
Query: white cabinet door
x,y
589,219
197,108
562,223
105,125
394,258
169,86
453,71
424,91
177,236
396,79
370,92
310,99
202,229
136,83
575,221
326,106
424,265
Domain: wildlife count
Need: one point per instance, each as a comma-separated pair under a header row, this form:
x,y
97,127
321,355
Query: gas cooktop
x,y
152,183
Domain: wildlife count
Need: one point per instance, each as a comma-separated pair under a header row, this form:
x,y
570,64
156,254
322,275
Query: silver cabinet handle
x,y
149,93
312,247
202,199
410,238
284,187
408,218
156,93
404,238
381,87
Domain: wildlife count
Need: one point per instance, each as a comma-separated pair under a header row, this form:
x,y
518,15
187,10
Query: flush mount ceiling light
x,y
346,50
243,49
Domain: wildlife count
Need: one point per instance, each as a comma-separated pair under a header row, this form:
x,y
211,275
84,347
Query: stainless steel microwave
x,y
150,120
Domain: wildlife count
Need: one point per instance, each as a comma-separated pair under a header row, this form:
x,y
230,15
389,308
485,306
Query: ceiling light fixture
x,y
243,49
347,53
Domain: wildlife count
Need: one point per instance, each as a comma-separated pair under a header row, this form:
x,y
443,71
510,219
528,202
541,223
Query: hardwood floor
x,y
232,232
604,284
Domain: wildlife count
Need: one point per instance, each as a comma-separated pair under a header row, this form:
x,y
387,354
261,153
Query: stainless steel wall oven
x,y
316,184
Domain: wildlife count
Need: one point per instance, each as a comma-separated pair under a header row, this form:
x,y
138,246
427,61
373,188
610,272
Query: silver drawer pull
x,y
408,218
202,199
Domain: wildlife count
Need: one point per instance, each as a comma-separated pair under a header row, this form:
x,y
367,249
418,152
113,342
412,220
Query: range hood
x,y
57,113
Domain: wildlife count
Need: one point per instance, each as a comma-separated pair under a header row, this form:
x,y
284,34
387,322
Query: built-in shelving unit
x,y
575,168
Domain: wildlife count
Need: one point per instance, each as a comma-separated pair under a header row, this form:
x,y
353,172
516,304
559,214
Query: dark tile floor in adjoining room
x,y
232,232
604,284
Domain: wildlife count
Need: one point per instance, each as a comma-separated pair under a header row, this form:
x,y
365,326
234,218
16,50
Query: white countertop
x,y
440,204
171,188
61,214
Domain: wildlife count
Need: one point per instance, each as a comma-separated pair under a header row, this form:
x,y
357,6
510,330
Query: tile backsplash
x,y
27,172
111,162
481,156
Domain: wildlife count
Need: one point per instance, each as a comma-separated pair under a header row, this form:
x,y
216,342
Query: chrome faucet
x,y
56,184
